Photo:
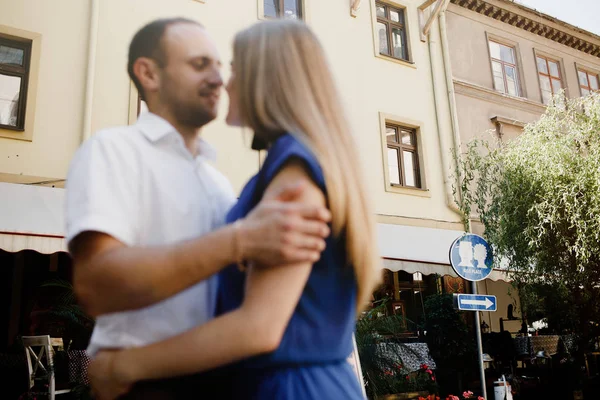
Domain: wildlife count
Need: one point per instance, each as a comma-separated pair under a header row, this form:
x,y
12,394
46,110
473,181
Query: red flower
x,y
468,394
388,372
430,372
424,366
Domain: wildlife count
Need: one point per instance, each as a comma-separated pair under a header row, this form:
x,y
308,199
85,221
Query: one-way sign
x,y
475,302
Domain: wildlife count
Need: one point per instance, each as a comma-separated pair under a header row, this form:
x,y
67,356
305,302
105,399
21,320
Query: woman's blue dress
x,y
311,361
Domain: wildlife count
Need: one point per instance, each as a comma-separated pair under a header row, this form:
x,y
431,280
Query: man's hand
x,y
282,230
105,382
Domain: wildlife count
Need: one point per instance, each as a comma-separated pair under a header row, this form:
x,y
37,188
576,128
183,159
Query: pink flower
x,y
430,372
468,394
480,398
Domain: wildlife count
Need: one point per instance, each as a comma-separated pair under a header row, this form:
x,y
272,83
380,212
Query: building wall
x,y
477,101
369,86
62,31
505,295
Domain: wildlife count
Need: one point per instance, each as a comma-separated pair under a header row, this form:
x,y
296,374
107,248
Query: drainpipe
x,y
449,82
91,68
445,146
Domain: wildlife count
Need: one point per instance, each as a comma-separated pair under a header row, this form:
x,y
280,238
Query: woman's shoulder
x,y
291,145
289,148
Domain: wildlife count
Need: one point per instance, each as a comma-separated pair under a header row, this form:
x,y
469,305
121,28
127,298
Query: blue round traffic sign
x,y
471,257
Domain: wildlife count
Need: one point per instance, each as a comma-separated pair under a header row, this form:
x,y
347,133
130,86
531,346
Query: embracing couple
x,y
198,294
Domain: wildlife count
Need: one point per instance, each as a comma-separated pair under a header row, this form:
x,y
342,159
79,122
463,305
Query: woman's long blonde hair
x,y
284,84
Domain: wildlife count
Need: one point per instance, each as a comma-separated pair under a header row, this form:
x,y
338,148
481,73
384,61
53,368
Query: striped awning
x,y
31,218
438,269
14,243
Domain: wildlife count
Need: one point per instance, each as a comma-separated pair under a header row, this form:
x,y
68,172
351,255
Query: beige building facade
x,y
390,65
507,61
418,78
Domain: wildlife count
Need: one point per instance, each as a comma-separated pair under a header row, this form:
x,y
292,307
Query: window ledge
x,y
396,60
411,191
11,128
484,93
507,121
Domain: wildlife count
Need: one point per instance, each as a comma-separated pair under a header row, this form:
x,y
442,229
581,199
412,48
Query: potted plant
x,y
385,375
449,341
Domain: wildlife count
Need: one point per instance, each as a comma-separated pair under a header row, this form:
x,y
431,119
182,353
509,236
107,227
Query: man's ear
x,y
146,71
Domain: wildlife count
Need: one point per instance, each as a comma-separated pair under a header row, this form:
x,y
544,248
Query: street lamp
x,y
485,328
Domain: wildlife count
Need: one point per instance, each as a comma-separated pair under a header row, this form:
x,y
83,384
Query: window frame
x,y
22,72
419,128
504,64
281,3
401,148
587,72
548,75
389,24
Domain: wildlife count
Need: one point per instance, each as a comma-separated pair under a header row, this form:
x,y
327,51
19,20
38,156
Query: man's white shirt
x,y
141,185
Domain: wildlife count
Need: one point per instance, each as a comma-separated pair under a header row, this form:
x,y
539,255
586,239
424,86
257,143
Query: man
x,y
145,208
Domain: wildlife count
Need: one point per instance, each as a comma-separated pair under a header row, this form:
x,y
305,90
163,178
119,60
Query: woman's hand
x,y
107,384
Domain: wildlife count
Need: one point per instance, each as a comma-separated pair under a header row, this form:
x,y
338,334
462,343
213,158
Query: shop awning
x,y
31,218
429,245
439,269
425,250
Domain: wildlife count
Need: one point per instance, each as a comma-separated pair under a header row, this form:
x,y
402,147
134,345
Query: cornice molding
x,y
530,24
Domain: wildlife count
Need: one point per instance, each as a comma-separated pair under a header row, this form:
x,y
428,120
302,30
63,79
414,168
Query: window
x,y
403,157
288,9
504,68
14,77
391,31
588,82
549,74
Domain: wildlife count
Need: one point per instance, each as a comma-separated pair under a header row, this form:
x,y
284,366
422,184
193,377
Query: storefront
x,y
35,274
416,266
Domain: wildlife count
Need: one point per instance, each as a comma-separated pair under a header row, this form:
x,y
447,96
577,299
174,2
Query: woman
x,y
284,332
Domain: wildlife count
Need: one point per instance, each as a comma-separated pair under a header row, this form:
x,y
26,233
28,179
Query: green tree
x,y
538,197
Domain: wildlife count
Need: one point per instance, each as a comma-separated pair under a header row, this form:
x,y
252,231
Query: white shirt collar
x,y
156,128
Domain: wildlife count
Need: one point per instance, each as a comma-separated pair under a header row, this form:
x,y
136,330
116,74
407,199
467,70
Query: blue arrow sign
x,y
476,302
471,257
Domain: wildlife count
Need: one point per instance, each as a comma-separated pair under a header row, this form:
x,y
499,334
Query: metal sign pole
x,y
479,345
472,259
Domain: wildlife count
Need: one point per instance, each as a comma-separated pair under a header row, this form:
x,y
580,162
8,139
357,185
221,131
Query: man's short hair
x,y
147,42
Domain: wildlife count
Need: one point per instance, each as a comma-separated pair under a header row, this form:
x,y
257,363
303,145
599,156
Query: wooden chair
x,y
38,370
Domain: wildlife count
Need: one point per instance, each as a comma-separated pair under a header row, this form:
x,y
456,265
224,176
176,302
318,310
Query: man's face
x,y
190,80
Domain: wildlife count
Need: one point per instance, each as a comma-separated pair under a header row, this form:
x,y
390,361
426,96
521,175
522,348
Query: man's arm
x,y
257,327
110,276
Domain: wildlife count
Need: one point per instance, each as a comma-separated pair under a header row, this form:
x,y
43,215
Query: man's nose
x,y
215,79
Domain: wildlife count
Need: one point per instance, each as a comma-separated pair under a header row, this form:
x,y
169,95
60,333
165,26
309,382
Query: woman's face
x,y
233,115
